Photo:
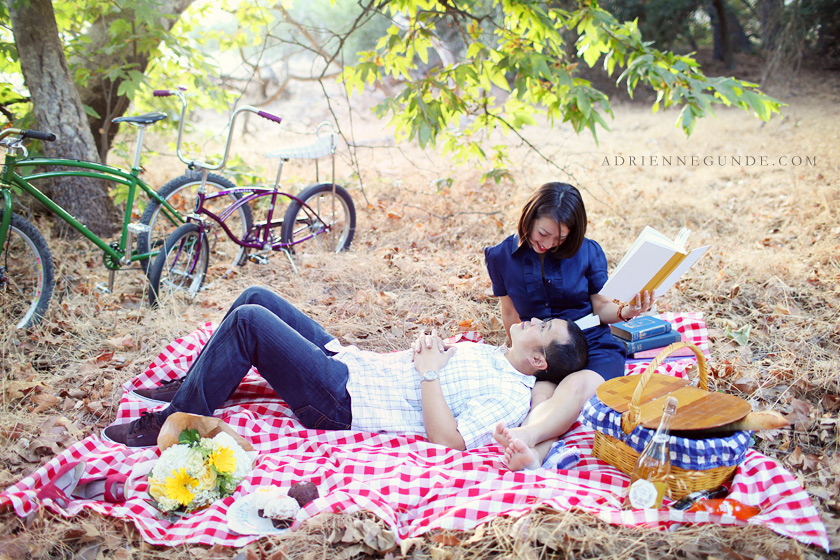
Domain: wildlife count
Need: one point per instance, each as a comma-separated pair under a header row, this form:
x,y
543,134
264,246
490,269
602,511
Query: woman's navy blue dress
x,y
561,290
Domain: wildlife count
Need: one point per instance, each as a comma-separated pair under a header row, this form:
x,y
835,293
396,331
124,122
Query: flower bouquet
x,y
197,470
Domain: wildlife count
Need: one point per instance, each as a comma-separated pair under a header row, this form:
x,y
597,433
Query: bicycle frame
x,y
263,242
115,256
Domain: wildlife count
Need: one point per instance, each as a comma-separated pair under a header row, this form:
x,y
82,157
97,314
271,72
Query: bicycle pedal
x,y
258,259
102,288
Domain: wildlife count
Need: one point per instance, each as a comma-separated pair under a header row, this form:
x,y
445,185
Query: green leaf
x,y
91,111
741,336
583,103
590,53
497,176
424,133
686,120
190,438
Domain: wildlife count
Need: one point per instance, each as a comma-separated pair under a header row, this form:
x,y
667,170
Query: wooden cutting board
x,y
697,409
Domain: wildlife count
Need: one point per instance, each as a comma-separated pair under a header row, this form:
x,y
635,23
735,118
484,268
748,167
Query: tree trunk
x,y
723,25
101,94
770,19
58,109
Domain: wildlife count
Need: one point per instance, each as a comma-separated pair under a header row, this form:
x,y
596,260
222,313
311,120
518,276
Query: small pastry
x,y
281,511
303,492
264,494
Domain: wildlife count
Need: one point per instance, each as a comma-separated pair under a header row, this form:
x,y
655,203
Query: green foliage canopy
x,y
516,61
521,60
103,42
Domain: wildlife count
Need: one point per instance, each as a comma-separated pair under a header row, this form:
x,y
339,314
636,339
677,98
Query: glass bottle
x,y
649,480
711,493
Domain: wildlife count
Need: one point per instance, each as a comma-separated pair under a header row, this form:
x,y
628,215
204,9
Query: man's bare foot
x,y
519,456
502,434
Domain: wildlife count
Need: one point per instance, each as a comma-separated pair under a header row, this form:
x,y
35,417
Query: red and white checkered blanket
x,y
412,485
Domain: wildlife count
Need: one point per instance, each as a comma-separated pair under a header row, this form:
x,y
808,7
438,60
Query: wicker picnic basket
x,y
615,450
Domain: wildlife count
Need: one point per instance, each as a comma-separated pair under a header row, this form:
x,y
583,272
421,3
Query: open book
x,y
653,262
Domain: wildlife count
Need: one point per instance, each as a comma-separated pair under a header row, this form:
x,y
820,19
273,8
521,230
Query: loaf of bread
x,y
764,420
753,421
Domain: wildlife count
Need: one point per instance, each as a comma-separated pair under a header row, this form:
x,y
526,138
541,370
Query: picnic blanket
x,y
413,486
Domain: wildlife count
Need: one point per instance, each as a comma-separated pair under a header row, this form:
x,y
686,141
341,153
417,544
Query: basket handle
x,y
634,412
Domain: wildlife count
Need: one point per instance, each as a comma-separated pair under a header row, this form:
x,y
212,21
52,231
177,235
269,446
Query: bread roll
x,y
764,420
753,421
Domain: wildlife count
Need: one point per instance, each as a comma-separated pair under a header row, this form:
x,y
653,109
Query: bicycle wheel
x,y
324,223
26,274
180,267
181,194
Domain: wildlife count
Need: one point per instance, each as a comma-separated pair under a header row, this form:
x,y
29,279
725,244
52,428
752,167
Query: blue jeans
x,y
287,347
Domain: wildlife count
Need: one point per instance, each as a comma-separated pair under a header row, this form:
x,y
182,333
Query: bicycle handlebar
x,y
269,116
38,135
24,133
168,92
200,164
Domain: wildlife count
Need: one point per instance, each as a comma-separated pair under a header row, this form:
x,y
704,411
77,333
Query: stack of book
x,y
647,336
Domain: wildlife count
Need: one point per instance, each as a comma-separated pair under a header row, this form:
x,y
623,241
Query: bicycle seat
x,y
323,146
148,118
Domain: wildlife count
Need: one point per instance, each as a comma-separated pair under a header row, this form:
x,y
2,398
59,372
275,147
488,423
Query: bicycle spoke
x,y
323,222
26,274
179,272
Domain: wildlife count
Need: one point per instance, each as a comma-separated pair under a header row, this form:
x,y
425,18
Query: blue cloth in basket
x,y
688,454
561,457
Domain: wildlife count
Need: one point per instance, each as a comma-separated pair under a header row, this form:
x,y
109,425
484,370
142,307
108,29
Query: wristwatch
x,y
430,375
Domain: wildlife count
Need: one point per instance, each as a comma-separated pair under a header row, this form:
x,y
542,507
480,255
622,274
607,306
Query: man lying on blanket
x,y
456,395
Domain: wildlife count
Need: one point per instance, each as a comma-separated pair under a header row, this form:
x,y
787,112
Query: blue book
x,y
657,341
640,328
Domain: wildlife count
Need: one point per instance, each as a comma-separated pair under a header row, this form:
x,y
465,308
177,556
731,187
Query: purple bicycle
x,y
320,218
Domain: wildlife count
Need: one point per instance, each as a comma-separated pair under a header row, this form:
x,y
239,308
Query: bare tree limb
x,y
551,162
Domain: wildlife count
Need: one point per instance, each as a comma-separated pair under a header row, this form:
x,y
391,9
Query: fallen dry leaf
x,y
831,402
747,385
723,370
44,401
407,544
800,417
104,357
14,546
121,342
446,539
438,553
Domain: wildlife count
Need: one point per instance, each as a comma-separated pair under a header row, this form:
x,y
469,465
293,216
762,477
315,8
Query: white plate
x,y
242,518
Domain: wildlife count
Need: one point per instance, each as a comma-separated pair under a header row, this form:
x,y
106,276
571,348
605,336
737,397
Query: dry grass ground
x,y
417,262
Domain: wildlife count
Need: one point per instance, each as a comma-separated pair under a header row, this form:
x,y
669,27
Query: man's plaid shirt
x,y
479,384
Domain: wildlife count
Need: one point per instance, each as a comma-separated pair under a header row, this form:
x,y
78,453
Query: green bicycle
x,y
26,267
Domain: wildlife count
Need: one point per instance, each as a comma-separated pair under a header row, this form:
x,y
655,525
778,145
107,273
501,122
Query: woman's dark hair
x,y
563,359
562,203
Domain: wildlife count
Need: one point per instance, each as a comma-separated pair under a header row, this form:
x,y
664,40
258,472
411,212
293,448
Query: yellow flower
x,y
207,479
223,459
157,489
179,487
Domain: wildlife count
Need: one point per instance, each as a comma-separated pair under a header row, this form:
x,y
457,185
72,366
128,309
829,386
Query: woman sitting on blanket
x,y
550,270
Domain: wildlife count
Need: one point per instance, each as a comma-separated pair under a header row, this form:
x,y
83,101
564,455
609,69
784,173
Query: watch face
x,y
430,375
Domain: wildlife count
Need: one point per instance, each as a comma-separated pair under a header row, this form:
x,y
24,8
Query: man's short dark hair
x,y
563,359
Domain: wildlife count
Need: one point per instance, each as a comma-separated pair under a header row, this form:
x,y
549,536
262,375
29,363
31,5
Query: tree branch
x,y
551,162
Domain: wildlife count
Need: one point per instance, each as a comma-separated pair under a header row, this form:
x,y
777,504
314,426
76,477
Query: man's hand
x,y
430,341
431,352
